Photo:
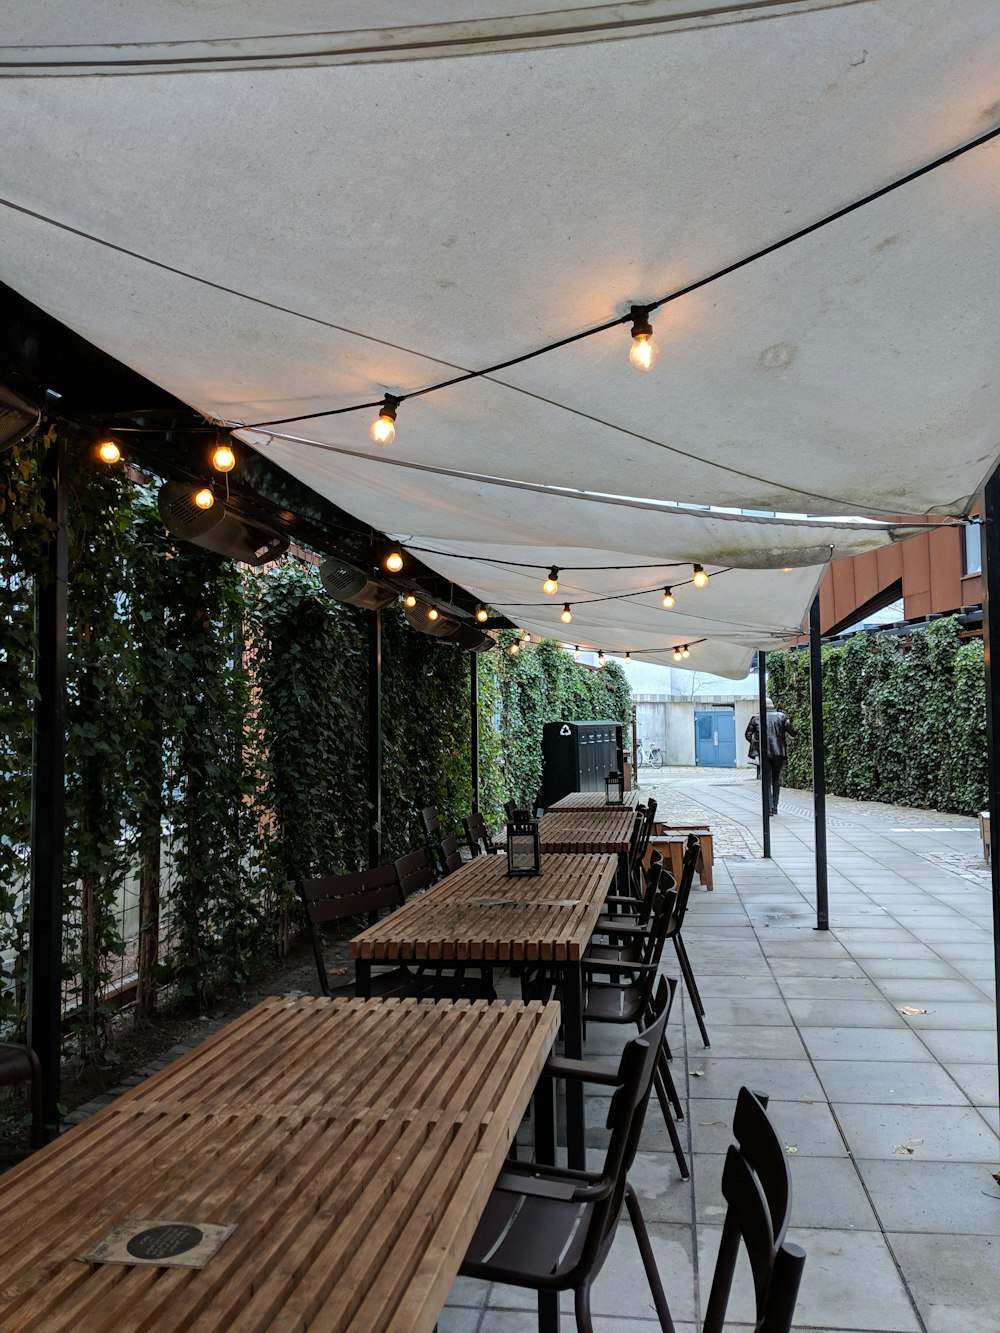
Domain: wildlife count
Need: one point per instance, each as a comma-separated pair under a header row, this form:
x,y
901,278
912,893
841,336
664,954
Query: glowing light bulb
x,y
642,353
433,613
108,451
525,637
393,562
669,601
223,459
204,499
700,579
383,429
514,648
628,657
551,584
566,615
482,615
677,654
600,659
409,600
685,651
786,569
576,651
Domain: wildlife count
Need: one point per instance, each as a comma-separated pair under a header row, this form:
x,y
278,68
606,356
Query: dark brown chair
x,y
691,853
431,822
478,835
366,892
415,872
450,854
19,1064
550,1229
757,1187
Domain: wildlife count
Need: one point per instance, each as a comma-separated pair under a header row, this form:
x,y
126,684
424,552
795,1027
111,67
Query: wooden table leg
x,y
572,1016
363,978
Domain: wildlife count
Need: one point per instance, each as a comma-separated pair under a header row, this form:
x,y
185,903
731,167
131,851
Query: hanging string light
x,y
514,648
525,636
108,451
482,614
383,428
566,615
700,579
223,458
551,584
204,498
576,651
393,562
669,601
677,655
642,353
600,659
409,600
685,651
433,613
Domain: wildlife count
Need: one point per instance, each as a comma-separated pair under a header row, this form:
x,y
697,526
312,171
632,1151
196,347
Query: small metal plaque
x,y
160,1242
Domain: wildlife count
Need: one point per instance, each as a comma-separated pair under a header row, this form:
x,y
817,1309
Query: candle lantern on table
x,y
614,789
524,854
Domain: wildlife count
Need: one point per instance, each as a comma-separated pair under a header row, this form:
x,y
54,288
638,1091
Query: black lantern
x,y
614,789
524,854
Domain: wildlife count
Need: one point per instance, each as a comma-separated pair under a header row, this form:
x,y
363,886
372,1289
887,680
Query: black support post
x,y
48,804
763,759
474,728
819,766
374,739
990,539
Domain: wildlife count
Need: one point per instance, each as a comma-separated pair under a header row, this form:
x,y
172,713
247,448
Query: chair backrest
x,y
757,1187
656,876
449,854
334,897
478,835
508,808
626,1112
415,872
692,850
648,826
431,822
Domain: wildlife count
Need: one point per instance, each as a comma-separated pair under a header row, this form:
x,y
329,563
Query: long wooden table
x,y
479,914
594,800
353,1144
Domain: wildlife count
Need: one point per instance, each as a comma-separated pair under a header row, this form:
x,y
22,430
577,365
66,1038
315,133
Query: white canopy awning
x,y
273,220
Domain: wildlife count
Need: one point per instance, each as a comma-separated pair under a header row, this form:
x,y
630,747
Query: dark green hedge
x,y
903,723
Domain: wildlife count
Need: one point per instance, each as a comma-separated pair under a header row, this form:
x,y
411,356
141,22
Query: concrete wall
x,y
668,721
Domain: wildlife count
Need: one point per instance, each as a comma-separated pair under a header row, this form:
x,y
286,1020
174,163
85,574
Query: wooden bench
x,y
670,841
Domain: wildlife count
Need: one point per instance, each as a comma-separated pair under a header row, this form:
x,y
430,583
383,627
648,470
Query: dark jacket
x,y
778,727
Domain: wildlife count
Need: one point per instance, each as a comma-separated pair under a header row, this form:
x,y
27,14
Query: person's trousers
x,y
775,763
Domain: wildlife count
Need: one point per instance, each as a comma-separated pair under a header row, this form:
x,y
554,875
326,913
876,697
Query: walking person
x,y
778,727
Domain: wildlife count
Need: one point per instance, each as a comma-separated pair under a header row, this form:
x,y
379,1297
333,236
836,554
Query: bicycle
x,y
651,758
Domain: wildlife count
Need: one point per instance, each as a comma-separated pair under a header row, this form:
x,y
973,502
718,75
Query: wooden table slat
x,y
593,800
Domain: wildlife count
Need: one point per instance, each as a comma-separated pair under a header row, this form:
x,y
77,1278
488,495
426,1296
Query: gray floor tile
x,y
957,1198
954,1280
926,1133
970,1014
854,1043
719,1076
894,1082
454,1319
886,969
808,1127
919,990
825,1191
767,1042
829,988
745,1012
875,1013
817,967
962,1047
977,1081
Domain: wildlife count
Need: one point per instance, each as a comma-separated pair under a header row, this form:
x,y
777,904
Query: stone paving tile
x,y
925,1133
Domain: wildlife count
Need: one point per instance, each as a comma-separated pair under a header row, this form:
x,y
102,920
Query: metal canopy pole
x,y
819,767
374,739
474,727
763,759
990,544
48,802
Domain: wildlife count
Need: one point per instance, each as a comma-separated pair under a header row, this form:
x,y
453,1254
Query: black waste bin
x,y
578,756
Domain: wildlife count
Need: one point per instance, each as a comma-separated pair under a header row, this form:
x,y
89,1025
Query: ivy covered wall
x,y
217,742
901,724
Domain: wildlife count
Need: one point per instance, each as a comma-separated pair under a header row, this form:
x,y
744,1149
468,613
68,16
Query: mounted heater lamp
x,y
218,526
524,853
614,789
18,418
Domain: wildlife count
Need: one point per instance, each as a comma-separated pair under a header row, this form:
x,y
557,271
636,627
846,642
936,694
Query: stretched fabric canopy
x,y
274,220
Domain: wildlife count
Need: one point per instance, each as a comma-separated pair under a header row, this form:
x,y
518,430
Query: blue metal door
x,y
715,738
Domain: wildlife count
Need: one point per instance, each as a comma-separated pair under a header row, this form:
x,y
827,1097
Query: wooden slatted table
x,y
352,1143
593,800
479,914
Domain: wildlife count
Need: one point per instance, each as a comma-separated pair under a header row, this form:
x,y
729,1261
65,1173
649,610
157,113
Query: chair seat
x,y
15,1065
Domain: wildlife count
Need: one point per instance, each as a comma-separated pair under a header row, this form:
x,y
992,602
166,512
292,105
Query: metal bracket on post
x,y
48,803
819,767
763,759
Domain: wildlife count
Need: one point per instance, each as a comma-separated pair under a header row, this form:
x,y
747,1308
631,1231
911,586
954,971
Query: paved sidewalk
x,y
890,1117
